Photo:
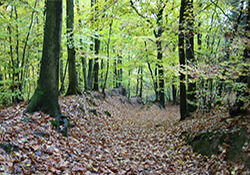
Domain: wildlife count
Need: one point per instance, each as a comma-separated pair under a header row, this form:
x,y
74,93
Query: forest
x,y
124,87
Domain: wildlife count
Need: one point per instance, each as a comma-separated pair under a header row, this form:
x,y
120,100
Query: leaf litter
x,y
131,140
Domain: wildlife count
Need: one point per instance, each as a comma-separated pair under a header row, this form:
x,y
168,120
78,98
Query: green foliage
x,y
132,37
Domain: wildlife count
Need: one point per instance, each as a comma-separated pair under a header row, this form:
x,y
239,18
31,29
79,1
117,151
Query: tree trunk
x,y
190,54
137,81
26,44
183,101
96,65
72,89
61,75
161,75
115,73
107,70
141,82
152,75
84,71
119,72
174,93
45,98
158,35
157,95
245,77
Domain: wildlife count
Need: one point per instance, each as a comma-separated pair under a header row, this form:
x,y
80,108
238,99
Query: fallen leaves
x,y
109,137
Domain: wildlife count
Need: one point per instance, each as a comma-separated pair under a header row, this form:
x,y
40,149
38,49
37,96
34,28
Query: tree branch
x,y
224,13
136,10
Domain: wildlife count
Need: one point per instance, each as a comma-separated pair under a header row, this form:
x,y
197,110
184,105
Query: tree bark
x,y
183,100
190,54
108,46
119,72
141,82
45,98
158,36
174,93
96,65
72,89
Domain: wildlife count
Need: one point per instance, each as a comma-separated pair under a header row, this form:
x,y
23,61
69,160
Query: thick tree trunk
x,y
190,54
45,98
72,89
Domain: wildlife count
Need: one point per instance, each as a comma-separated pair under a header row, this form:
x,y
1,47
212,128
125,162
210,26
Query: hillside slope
x,y
111,136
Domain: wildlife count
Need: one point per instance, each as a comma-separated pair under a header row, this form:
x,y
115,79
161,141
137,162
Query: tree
x,y
242,93
72,89
45,98
189,42
96,65
108,55
182,60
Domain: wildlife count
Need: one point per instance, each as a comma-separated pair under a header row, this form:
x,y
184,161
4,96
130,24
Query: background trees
x,y
144,37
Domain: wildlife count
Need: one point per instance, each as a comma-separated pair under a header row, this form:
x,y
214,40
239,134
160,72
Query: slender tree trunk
x,y
16,74
45,98
128,90
174,93
141,82
26,44
84,71
62,89
96,65
119,72
157,95
152,75
115,73
137,81
183,100
108,46
72,89
90,71
161,75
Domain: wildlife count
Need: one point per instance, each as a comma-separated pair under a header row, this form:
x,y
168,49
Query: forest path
x,y
130,141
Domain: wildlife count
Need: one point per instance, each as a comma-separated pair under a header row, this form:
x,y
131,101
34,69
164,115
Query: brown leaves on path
x,y
130,141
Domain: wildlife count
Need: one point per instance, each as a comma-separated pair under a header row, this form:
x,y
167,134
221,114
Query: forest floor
x,y
111,136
